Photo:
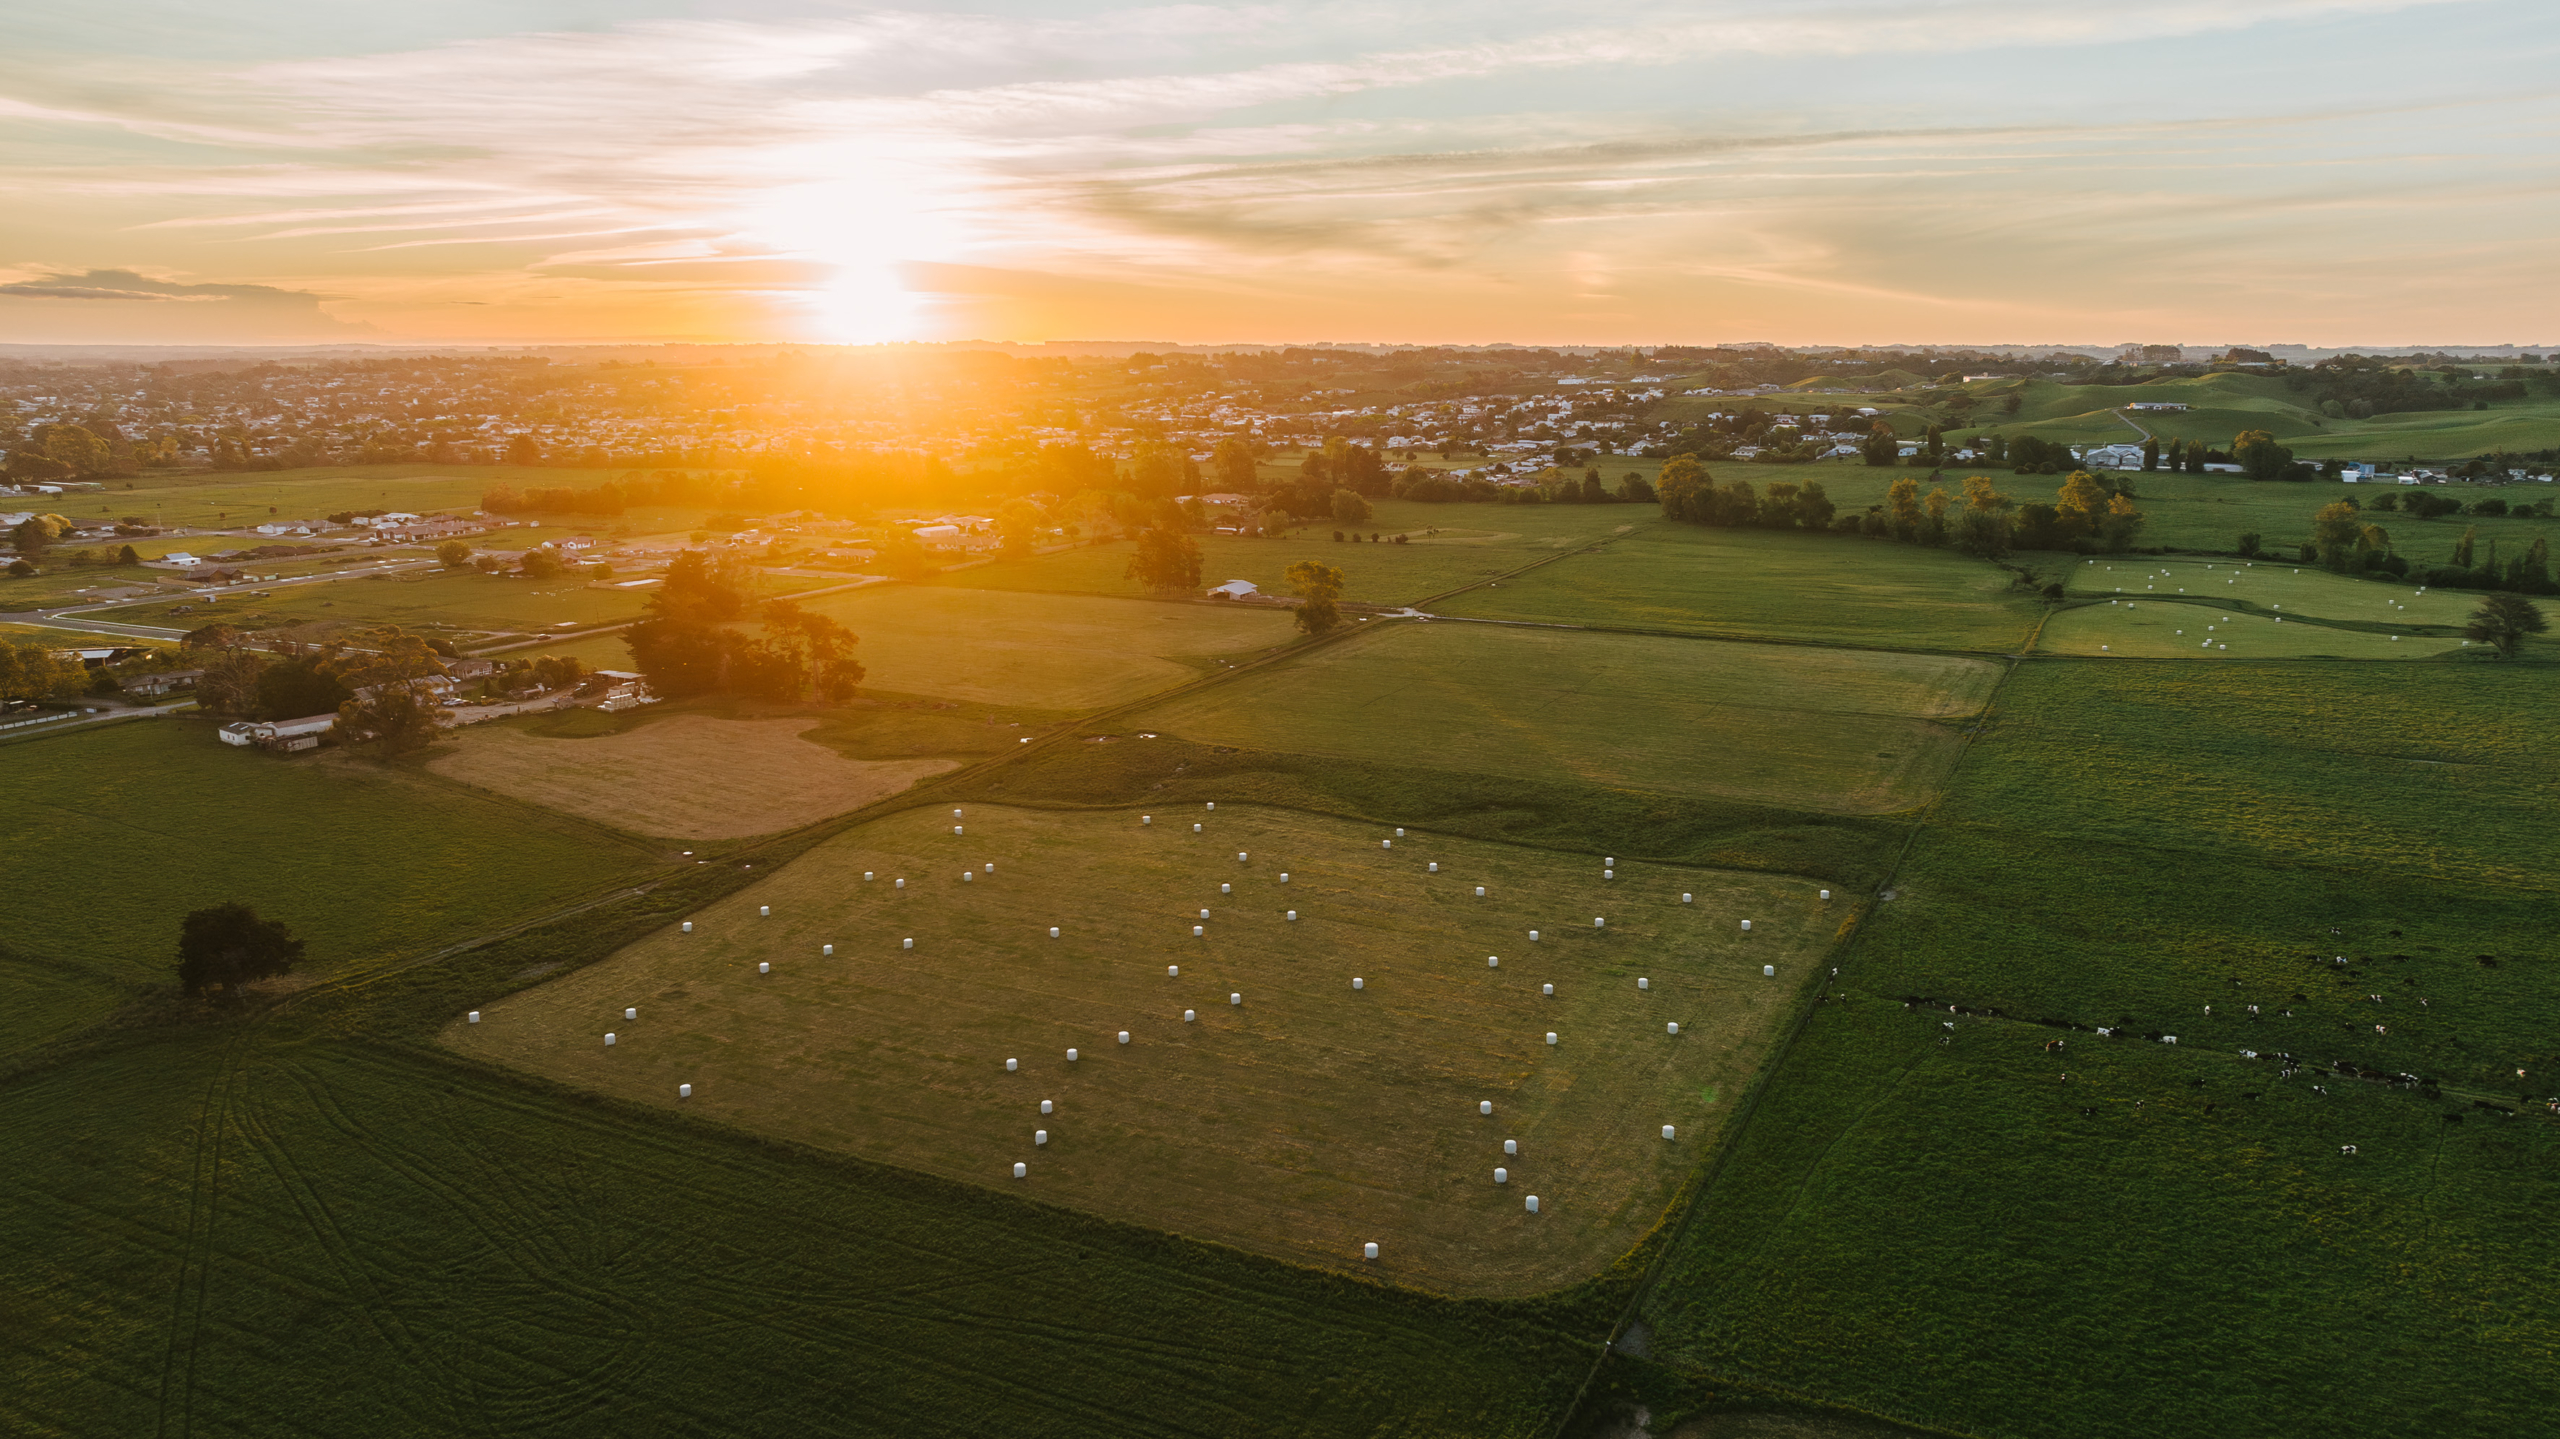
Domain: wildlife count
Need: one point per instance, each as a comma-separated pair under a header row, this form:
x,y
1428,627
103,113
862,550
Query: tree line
x,y
2086,513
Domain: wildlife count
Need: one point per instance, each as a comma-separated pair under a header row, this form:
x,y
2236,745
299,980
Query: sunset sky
x,y
1798,171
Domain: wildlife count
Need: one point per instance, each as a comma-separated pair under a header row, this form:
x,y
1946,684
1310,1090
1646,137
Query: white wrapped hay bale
x,y
684,1091
1020,1169
475,1016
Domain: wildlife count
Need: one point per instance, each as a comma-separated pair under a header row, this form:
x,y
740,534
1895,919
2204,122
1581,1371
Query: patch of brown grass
x,y
684,777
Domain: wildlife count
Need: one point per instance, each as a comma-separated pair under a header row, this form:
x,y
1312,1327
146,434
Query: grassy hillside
x,y
2224,405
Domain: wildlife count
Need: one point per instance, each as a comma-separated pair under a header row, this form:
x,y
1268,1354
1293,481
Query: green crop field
x,y
1448,547
247,1231
1050,652
2332,862
119,831
1302,1123
1755,582
1808,729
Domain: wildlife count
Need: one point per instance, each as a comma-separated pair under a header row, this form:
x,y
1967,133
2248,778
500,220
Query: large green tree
x,y
2503,620
1318,586
225,946
394,702
1167,560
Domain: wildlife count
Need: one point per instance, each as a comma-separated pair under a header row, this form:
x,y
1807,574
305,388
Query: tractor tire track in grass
x,y
195,1255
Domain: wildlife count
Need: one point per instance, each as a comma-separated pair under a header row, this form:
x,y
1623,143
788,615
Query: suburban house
x,y
2156,405
165,682
2113,457
621,690
289,736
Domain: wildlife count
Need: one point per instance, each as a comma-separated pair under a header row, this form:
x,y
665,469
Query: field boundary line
x,y
1734,639
1695,1200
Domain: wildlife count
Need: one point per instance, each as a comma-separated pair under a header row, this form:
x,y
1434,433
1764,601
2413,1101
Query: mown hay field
x,y
689,776
1050,652
1844,731
2270,587
2332,862
1706,581
1447,547
1302,1123
119,831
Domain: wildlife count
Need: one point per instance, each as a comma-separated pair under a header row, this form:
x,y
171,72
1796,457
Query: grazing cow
x,y
2051,1045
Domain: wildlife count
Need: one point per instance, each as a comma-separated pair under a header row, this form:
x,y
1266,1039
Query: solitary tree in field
x,y
1319,585
1167,560
454,555
2504,620
227,946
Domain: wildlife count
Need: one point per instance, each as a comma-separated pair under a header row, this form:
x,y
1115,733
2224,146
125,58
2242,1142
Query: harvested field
x,y
684,777
1303,1123
1843,731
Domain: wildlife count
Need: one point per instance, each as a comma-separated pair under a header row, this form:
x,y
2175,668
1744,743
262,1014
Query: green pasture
x,y
1049,652
2227,404
1809,729
2332,862
1310,1119
1758,582
2252,610
2206,513
118,831
1472,543
415,599
2153,630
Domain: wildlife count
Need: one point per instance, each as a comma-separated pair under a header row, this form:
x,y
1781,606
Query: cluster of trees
x,y
2343,539
2086,512
30,670
1686,491
690,643
660,487
2354,387
68,452
1166,560
2428,505
383,684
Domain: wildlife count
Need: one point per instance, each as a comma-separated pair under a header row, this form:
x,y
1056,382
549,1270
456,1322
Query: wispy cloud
x,y
1208,140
